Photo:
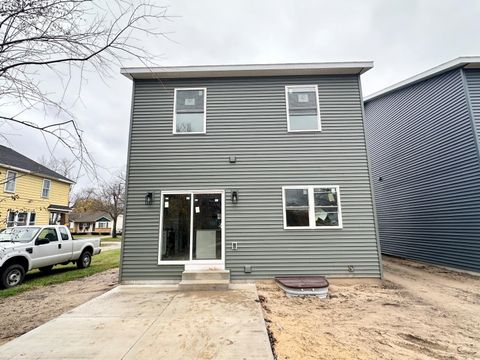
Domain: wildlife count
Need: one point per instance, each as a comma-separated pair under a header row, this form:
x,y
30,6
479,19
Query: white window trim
x,y
204,112
30,218
7,181
311,208
319,122
15,218
220,262
99,226
43,188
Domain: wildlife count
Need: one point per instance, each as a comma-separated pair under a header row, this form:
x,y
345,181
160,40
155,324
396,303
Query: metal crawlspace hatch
x,y
303,285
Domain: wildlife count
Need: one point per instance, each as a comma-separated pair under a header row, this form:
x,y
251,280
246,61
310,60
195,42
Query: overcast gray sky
x,y
402,37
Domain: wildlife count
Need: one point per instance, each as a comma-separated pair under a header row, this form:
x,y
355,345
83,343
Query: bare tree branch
x,y
73,141
60,36
63,166
109,198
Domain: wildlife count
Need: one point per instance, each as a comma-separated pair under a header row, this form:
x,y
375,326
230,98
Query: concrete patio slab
x,y
142,322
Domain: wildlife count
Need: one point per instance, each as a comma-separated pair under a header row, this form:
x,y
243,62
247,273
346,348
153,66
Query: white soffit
x,y
207,71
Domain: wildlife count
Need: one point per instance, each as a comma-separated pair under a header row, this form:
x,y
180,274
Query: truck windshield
x,y
20,234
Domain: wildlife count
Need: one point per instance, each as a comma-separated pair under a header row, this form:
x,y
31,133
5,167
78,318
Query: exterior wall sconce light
x,y
234,196
148,198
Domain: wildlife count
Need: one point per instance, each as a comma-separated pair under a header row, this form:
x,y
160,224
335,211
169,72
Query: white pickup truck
x,y
24,248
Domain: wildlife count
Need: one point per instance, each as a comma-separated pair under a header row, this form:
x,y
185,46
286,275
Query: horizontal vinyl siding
x,y
247,118
473,85
29,198
422,144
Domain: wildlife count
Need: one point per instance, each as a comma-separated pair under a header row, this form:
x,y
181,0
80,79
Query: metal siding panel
x,y
247,118
473,85
422,144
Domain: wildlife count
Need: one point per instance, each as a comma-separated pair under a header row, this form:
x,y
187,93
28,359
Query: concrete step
x,y
206,275
202,285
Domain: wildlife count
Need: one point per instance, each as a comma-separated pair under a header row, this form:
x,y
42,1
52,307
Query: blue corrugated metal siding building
x,y
261,170
423,138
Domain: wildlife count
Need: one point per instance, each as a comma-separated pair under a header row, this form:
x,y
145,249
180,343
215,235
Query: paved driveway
x,y
141,322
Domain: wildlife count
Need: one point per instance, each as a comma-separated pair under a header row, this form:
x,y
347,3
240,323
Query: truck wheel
x,y
12,276
46,269
84,260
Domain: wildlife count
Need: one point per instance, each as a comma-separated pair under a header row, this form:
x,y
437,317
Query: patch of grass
x,y
118,238
62,273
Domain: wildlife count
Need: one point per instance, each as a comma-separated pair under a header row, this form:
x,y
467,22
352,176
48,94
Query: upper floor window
x,y
303,111
10,181
46,188
190,111
311,207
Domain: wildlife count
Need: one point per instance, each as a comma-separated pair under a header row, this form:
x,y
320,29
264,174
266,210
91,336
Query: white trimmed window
x,y
17,218
311,207
10,181
46,188
22,218
190,111
102,225
303,110
11,218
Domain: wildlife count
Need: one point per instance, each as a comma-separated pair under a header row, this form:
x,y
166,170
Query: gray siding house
x,y
260,170
423,138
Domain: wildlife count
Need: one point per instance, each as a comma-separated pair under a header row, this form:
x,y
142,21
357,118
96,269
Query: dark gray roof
x,y
59,208
10,157
89,216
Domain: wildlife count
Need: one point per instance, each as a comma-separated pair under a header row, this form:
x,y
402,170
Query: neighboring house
x,y
30,193
258,169
94,223
423,137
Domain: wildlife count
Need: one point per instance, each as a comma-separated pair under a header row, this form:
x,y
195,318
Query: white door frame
x,y
193,264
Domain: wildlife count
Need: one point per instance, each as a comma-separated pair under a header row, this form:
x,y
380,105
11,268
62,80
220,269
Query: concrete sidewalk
x,y
146,322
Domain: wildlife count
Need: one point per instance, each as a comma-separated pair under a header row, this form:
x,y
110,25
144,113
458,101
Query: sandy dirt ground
x,y
24,312
418,312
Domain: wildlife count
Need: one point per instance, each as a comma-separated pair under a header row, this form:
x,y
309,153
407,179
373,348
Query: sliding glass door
x,y
176,227
192,227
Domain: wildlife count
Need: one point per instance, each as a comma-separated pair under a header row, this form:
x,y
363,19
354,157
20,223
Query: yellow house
x,y
30,193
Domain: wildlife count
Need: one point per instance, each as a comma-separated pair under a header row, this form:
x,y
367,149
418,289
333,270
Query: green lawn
x,y
118,238
62,273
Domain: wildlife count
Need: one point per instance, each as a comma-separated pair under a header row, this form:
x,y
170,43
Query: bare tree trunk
x,y
114,230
